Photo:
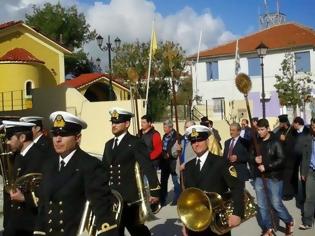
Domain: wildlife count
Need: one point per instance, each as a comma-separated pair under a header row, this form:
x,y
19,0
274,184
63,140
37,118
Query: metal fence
x,y
14,100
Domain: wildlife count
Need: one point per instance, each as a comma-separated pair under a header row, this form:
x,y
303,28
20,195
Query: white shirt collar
x,y
36,140
300,130
119,138
202,159
23,153
67,158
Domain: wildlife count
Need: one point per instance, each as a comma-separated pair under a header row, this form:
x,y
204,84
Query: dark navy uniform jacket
x,y
120,163
215,176
64,194
22,215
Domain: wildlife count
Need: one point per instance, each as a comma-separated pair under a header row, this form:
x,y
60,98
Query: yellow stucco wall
x,y
14,75
95,114
54,59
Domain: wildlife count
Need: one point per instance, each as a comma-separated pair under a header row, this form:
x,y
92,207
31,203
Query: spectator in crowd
x,y
300,131
245,129
168,162
152,139
268,174
308,176
284,136
236,151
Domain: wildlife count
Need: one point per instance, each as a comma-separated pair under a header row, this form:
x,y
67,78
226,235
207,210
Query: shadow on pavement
x,y
168,228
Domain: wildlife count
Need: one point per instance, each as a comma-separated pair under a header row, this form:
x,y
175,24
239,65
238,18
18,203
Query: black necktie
x,y
198,165
62,165
115,143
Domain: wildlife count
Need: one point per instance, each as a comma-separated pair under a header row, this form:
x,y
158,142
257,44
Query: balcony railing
x,y
14,100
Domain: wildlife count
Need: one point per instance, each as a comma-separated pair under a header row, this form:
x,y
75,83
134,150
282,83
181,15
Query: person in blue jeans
x,y
268,181
168,163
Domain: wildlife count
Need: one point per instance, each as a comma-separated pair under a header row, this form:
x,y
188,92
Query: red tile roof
x,y
20,55
285,36
9,24
85,79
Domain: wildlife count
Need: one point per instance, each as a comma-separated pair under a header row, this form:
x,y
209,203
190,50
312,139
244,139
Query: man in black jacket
x,y
120,157
71,178
268,180
287,139
308,175
212,173
21,214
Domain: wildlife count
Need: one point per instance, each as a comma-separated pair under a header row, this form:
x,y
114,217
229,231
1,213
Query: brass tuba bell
x,y
199,210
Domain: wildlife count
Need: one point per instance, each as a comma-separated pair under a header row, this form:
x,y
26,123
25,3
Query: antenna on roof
x,y
269,19
266,6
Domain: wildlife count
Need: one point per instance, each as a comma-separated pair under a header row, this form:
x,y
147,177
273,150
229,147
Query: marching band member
x,y
120,155
70,179
42,141
21,213
212,173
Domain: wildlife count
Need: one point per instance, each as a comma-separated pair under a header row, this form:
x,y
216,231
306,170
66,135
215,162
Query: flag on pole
x,y
153,44
237,59
153,48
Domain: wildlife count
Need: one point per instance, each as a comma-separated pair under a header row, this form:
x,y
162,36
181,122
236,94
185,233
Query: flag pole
x,y
197,61
237,59
149,70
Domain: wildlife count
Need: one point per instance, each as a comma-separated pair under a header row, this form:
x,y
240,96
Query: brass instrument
x,y
146,212
199,210
26,183
87,225
214,146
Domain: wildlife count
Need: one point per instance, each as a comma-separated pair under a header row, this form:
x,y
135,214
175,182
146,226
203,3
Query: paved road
x,y
167,223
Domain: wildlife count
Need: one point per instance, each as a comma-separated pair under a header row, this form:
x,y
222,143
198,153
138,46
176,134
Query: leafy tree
x,y
66,26
294,89
168,61
78,63
184,93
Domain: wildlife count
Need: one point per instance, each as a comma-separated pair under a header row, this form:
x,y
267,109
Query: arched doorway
x,y
98,92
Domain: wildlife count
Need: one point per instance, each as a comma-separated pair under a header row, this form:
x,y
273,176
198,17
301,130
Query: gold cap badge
x,y
115,114
59,121
194,133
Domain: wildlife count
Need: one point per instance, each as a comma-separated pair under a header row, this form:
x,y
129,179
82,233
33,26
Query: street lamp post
x,y
262,51
108,47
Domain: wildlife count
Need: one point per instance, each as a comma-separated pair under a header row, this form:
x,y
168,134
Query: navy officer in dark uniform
x,y
212,173
70,179
42,141
21,213
120,155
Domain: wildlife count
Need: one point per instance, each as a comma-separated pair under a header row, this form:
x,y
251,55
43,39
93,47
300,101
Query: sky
x,y
176,20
